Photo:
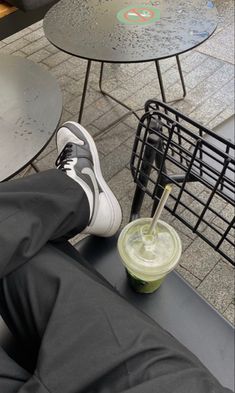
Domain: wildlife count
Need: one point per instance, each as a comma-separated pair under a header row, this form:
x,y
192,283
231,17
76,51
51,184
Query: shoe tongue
x,y
82,155
79,151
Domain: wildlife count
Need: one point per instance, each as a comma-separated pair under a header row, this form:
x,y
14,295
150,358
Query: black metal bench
x,y
27,13
176,306
167,139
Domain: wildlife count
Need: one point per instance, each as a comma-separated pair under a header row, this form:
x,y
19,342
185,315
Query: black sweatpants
x,y
86,337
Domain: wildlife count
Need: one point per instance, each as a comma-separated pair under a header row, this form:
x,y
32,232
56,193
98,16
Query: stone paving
x,y
209,77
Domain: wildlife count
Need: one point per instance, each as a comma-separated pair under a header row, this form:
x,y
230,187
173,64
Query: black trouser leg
x,y
88,338
36,209
33,210
12,376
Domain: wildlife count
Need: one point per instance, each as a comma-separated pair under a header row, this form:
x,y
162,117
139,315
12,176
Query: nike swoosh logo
x,y
90,173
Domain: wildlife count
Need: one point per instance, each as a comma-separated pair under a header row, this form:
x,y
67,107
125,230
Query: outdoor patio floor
x,y
209,77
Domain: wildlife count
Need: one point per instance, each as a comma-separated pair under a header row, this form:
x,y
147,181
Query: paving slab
x,y
225,10
14,46
70,69
228,112
51,48
67,98
33,35
229,313
103,104
185,240
90,115
34,46
130,141
202,71
113,138
16,36
50,147
69,84
174,93
36,25
110,117
194,59
212,84
136,101
19,53
73,104
132,121
115,161
221,45
122,183
120,93
48,161
55,59
66,116
126,203
218,286
189,277
226,94
199,259
39,56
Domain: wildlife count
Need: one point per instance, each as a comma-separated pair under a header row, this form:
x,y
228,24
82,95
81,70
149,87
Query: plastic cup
x,y
148,258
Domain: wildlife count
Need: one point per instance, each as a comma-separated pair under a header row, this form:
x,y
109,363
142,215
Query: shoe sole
x,y
115,208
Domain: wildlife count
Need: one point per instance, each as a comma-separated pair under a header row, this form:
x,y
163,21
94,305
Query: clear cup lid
x,y
149,256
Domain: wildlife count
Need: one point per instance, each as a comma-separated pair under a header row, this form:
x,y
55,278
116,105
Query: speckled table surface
x,y
128,31
30,110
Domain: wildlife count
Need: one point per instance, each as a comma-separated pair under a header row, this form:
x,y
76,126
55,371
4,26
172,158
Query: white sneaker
x,y
78,157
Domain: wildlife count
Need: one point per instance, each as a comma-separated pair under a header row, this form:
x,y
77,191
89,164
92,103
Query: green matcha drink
x,y
148,258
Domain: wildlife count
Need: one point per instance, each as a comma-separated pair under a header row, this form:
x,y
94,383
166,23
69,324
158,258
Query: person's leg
x,y
58,203
12,376
32,210
49,207
89,339
35,209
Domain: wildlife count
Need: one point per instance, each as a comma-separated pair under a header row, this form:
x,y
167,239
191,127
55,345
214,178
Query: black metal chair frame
x,y
196,154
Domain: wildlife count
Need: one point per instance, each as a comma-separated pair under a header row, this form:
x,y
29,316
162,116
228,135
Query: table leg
x,y
159,74
157,63
181,75
84,90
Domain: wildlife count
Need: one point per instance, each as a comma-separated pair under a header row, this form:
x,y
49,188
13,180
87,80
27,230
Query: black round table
x,y
129,31
30,110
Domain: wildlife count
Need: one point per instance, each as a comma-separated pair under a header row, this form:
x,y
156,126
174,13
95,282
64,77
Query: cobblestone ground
x,y
209,77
